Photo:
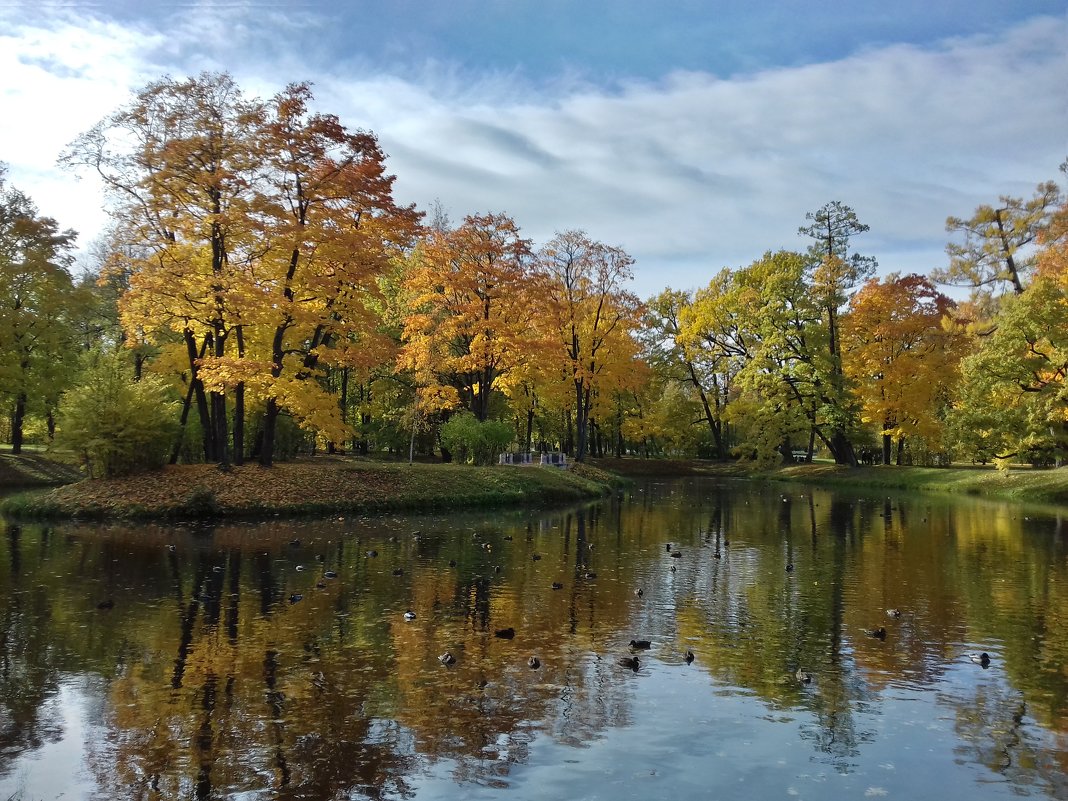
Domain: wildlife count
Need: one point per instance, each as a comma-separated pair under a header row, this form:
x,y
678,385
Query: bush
x,y
116,425
473,441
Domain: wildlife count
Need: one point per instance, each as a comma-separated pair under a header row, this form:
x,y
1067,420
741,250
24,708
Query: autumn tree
x,y
1013,399
784,379
713,347
997,242
901,357
834,272
179,173
589,314
251,232
37,299
471,297
326,228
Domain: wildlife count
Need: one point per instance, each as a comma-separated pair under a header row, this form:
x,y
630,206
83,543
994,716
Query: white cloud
x,y
689,174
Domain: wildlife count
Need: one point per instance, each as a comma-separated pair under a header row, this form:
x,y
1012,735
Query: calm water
x,y
226,664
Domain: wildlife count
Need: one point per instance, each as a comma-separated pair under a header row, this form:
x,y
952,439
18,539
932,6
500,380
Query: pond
x,y
276,660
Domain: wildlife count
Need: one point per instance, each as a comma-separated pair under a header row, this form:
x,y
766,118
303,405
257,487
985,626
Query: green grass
x,y
1018,484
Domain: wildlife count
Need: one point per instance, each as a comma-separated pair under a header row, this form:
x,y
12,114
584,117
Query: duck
x,y
447,659
717,555
171,548
803,676
590,574
372,554
790,567
298,568
557,585
639,592
673,568
534,557
533,663
676,554
398,571
505,634
630,662
218,569
507,537
689,657
641,644
667,547
409,615
452,563
982,659
294,543
295,597
893,613
879,633
330,574
320,585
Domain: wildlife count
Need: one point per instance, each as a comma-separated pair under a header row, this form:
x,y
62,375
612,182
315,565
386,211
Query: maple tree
x,y
327,228
901,357
589,315
38,336
178,171
471,295
252,232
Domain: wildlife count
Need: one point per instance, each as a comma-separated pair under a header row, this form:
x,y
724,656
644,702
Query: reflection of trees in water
x,y
217,684
993,730
30,663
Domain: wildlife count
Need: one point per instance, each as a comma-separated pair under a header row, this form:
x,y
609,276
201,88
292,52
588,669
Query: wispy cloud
x,y
689,173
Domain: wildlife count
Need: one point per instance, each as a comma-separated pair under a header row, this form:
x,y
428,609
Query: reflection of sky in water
x,y
693,740
339,679
58,767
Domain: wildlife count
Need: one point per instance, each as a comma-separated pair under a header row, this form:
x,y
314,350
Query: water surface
x,y
225,661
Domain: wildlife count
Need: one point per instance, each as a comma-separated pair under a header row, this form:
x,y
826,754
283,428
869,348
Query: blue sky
x,y
696,135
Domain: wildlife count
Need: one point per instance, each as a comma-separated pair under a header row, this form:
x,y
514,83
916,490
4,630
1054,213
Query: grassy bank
x,y
1018,484
314,486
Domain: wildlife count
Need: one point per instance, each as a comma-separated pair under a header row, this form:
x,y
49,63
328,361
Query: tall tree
x,y
903,360
253,231
834,272
179,171
471,299
996,248
37,333
589,313
326,227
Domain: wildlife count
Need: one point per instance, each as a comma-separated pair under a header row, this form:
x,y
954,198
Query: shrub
x,y
473,441
116,425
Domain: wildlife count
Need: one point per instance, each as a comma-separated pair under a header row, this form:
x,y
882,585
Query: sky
x,y
694,135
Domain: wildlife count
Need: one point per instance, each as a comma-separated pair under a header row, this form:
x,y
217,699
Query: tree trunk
x,y
530,429
887,444
206,429
17,419
270,423
582,411
239,406
842,449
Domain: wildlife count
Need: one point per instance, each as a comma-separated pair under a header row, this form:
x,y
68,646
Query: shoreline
x,y
325,485
317,486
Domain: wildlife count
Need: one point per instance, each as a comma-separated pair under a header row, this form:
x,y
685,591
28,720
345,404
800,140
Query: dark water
x,y
204,676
